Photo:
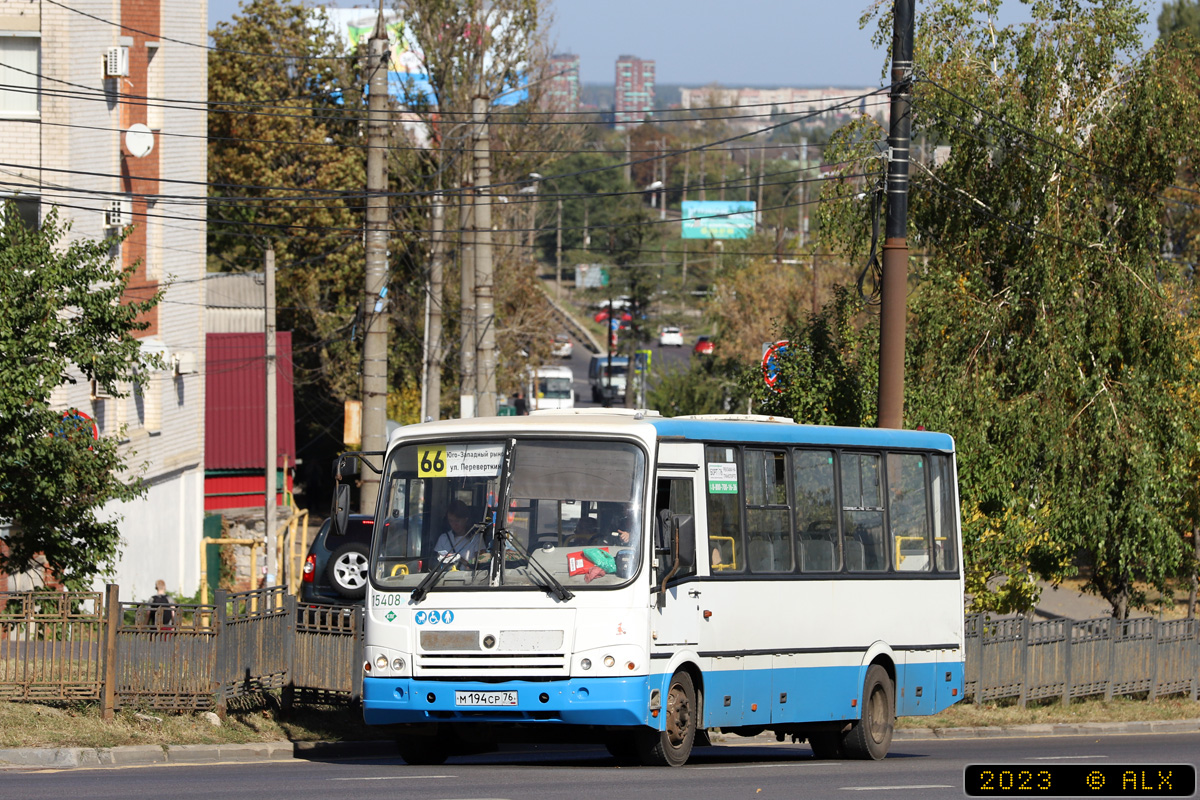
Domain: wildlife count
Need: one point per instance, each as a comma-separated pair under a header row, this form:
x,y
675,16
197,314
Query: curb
x,y
151,755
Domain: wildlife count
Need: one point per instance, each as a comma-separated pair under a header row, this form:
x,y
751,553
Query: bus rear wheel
x,y
870,737
671,746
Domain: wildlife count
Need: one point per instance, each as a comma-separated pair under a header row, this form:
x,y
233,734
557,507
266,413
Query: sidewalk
x,y
150,755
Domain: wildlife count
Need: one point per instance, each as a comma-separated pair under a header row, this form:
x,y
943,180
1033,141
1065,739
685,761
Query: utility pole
x,y
466,396
762,169
485,311
271,457
558,251
662,192
895,245
374,381
703,176
431,401
628,160
802,219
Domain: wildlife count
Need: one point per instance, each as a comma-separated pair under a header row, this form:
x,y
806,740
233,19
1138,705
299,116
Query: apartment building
x,y
103,117
634,92
817,105
562,90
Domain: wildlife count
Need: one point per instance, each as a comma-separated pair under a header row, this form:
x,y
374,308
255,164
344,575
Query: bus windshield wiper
x,y
443,566
503,537
549,583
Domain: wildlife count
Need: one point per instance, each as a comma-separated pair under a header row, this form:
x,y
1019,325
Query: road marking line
x,y
766,766
894,788
1061,758
395,778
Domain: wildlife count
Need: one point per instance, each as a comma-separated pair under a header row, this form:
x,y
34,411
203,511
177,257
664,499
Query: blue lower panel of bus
x,y
732,697
602,701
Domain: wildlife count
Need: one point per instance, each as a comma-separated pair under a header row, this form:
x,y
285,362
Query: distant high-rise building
x,y
562,90
634,95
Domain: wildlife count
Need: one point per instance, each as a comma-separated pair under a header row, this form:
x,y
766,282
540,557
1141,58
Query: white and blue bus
x,y
638,581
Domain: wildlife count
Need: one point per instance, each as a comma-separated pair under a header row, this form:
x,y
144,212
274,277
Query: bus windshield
x,y
573,510
554,388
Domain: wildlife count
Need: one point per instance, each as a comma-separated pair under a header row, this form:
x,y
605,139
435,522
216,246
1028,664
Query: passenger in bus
x,y
457,540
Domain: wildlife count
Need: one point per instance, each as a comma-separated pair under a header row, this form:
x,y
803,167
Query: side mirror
x,y
684,529
341,508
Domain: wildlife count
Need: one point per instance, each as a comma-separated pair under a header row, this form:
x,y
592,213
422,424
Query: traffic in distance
x,y
639,580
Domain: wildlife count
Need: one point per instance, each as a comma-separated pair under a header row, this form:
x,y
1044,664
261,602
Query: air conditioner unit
x,y
184,363
116,62
118,214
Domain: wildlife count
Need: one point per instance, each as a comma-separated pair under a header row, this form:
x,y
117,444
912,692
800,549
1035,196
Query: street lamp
x,y
661,188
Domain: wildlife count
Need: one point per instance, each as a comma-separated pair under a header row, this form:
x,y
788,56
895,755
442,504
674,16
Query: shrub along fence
x,y
185,657
1018,658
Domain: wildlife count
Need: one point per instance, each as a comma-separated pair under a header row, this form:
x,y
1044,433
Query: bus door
x,y
676,617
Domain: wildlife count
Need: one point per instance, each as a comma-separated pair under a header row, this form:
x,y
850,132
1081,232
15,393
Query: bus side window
x,y
862,513
945,514
816,511
768,517
674,496
725,551
908,512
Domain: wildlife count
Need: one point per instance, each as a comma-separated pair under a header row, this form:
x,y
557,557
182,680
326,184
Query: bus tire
x,y
671,746
870,737
423,750
827,744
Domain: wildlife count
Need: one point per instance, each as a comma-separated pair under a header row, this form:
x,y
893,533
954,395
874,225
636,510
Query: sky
x,y
732,42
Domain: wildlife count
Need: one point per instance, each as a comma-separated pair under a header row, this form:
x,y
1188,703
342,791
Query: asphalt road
x,y
661,358
746,768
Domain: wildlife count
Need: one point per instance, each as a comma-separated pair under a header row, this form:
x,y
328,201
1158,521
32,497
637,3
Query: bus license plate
x,y
485,698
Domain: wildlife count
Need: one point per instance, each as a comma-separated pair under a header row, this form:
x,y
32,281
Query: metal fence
x,y
89,646
185,657
1016,657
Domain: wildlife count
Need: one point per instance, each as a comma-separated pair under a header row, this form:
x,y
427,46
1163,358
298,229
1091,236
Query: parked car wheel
x,y
347,570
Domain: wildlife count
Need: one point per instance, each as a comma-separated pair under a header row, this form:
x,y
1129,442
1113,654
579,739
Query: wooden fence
x,y
88,646
1016,657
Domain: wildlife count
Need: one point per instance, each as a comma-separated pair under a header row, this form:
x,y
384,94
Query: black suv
x,y
335,570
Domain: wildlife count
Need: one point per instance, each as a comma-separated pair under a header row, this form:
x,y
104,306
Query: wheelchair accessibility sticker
x,y
433,617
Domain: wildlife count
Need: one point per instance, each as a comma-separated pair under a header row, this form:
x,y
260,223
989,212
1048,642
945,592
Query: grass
x,y
1007,714
80,725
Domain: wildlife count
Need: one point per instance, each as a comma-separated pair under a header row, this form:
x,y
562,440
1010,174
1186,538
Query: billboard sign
x,y
408,78
718,219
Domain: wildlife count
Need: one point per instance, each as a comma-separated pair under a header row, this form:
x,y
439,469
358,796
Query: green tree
x,y
61,318
1046,334
1183,15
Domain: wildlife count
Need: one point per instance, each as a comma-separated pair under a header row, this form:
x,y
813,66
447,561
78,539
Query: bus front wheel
x,y
671,746
871,736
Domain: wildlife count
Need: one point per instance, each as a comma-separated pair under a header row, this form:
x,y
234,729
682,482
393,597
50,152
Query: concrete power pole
x,y
269,462
895,244
374,371
558,251
432,400
467,393
485,312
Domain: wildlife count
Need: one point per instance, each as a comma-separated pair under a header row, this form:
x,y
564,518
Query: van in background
x,y
608,383
550,387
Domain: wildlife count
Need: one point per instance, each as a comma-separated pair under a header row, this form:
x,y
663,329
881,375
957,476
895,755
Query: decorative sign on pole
x,y
770,364
77,423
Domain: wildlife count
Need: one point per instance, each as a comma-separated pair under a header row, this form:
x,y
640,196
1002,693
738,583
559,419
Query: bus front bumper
x,y
575,701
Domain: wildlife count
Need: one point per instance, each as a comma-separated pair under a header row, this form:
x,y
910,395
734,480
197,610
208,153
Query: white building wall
x,y
162,430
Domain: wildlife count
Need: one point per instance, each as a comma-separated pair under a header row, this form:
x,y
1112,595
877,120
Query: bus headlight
x,y
381,662
609,661
397,664
585,663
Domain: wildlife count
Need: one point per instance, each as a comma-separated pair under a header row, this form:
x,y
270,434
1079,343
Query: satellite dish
x,y
139,140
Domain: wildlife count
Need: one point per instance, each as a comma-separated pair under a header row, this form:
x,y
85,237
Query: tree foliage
x,y
61,321
1046,331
